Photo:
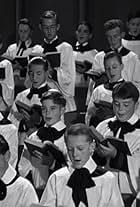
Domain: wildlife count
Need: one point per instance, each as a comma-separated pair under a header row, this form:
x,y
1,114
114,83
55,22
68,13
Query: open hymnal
x,y
119,144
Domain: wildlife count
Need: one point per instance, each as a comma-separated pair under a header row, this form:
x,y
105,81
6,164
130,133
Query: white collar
x,y
51,40
133,119
90,165
27,42
59,125
83,44
42,85
9,174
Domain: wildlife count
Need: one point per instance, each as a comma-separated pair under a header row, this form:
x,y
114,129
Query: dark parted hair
x,y
126,90
79,129
54,95
49,14
25,21
133,15
38,61
113,23
113,54
86,23
4,147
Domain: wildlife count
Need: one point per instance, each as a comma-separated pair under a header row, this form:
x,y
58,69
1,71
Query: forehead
x,y
48,103
123,101
114,31
83,27
76,140
24,27
112,60
48,21
135,20
36,68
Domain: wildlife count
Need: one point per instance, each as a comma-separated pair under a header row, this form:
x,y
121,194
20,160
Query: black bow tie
x,y
50,47
38,91
111,86
49,133
79,181
22,47
126,127
82,48
5,120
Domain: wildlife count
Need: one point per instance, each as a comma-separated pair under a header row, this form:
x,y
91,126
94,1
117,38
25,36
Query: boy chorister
x,y
131,39
114,33
15,191
113,67
82,183
126,126
63,77
53,107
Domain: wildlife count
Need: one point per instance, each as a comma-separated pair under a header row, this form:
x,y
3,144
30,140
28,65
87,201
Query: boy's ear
x,y
58,27
7,156
40,26
90,36
136,105
63,109
92,147
122,66
123,34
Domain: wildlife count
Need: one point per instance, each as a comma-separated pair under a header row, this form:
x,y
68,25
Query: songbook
x,y
23,61
45,148
35,146
53,58
83,65
2,73
23,107
119,144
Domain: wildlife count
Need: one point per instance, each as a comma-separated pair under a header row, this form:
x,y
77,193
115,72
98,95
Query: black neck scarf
x,y
38,91
79,181
51,47
111,86
22,47
82,48
49,133
126,127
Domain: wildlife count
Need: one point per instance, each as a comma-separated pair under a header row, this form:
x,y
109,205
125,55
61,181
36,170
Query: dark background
x,y
70,12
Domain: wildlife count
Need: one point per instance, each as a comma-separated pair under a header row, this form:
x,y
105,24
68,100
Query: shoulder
x,y
64,45
62,173
12,46
104,124
23,93
5,63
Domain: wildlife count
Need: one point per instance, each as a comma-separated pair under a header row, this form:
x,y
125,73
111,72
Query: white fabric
x,y
10,133
19,194
13,49
8,83
39,171
100,93
82,56
22,96
65,73
104,194
133,45
133,141
131,70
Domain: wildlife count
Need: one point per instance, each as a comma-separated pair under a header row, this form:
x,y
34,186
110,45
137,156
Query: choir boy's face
x,y
24,32
124,108
51,112
49,28
37,75
113,69
79,150
114,37
134,26
83,35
